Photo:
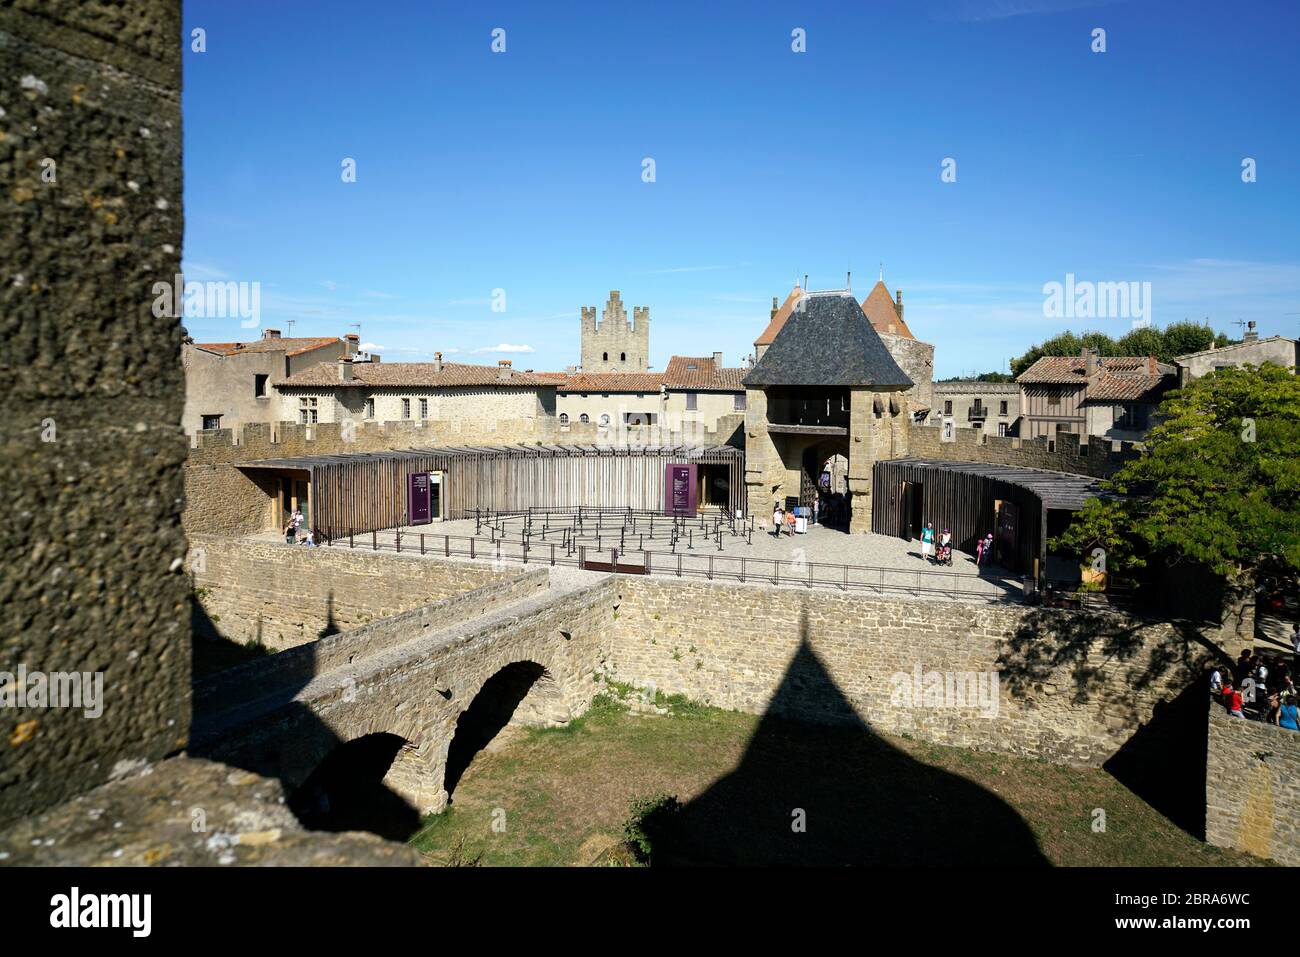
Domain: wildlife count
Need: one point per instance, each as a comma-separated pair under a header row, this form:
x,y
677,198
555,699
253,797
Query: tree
x,y
1218,483
1142,342
1182,338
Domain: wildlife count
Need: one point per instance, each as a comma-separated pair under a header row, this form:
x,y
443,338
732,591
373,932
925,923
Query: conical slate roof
x,y
828,341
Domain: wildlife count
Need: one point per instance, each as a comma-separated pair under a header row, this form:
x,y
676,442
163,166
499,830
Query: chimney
x,y
775,308
1089,358
271,334
898,302
1152,368
503,369
1251,335
345,370
437,362
353,343
805,280
717,360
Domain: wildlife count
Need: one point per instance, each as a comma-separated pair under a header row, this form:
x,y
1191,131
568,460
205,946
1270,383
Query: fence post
x,y
422,543
613,560
810,574
552,554
398,539
776,571
374,540
679,564
471,547
846,577
742,569
647,562
710,566
446,545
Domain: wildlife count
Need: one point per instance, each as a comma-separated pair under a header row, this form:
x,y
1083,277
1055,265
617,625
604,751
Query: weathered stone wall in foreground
x,y
287,595
1252,787
92,449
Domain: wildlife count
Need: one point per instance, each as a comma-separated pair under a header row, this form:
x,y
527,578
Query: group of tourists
x,y
291,530
939,549
1261,687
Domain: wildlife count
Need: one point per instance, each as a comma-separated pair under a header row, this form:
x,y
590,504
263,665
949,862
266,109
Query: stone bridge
x,y
422,691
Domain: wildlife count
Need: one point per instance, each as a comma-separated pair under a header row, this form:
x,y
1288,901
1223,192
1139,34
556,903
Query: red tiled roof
x,y
293,347
416,374
613,382
881,311
1127,388
1066,370
778,320
705,375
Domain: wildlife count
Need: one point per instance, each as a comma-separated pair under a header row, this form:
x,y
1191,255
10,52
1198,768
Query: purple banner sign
x,y
418,498
680,489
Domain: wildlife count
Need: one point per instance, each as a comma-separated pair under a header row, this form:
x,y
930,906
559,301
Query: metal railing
x,y
682,564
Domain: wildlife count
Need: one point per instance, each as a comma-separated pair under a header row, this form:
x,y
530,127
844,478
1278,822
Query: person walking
x,y
1288,716
988,546
778,519
927,540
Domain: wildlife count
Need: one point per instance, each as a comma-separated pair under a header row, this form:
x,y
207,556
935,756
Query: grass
x,y
563,795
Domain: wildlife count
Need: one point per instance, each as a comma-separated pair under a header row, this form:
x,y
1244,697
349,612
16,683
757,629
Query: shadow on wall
x,y
1164,760
490,711
346,791
864,801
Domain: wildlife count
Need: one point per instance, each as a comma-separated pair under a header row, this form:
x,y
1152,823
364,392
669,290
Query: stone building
x,y
1252,350
824,385
990,407
693,396
1113,397
914,357
614,344
416,391
229,384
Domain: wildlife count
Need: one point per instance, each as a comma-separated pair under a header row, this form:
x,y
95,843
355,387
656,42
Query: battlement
x,y
1064,452
614,344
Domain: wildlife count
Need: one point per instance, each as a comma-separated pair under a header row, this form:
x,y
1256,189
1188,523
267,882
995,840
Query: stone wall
x,y
1064,453
90,146
1073,687
1252,787
916,358
287,595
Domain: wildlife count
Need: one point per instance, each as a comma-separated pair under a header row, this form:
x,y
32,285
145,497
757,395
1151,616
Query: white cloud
x,y
506,347
371,347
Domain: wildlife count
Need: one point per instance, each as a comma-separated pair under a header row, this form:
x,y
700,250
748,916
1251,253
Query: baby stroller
x,y
943,556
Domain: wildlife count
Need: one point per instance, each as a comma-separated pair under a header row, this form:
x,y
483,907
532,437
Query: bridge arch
x,y
521,693
374,782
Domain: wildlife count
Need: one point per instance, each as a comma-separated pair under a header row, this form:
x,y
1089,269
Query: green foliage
x,y
651,819
1218,483
1176,339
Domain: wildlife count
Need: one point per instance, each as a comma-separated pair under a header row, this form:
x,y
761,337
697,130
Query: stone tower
x,y
614,344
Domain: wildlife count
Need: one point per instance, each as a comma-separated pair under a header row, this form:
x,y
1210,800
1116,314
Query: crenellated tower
x,y
614,344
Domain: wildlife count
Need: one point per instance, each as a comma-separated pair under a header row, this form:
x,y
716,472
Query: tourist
x,y
1288,715
1232,701
927,540
1242,667
296,519
979,551
778,519
817,507
289,537
1295,645
310,540
1216,683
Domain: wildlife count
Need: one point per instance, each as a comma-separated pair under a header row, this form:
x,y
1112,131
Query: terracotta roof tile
x,y
613,382
1066,370
416,374
880,309
295,346
1127,388
778,320
701,373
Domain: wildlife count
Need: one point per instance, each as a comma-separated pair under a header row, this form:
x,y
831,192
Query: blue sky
x,y
522,170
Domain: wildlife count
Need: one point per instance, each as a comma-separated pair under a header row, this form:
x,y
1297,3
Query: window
x,y
1054,401
564,418
1002,407
740,402
692,401
691,367
604,357
622,357
947,407
424,408
604,420
307,411
370,408
1132,417
584,418
406,408
1002,426
211,422
259,386
977,410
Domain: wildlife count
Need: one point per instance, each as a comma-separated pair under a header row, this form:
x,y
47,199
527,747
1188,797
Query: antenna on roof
x,y
882,272
850,280
289,323
805,280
